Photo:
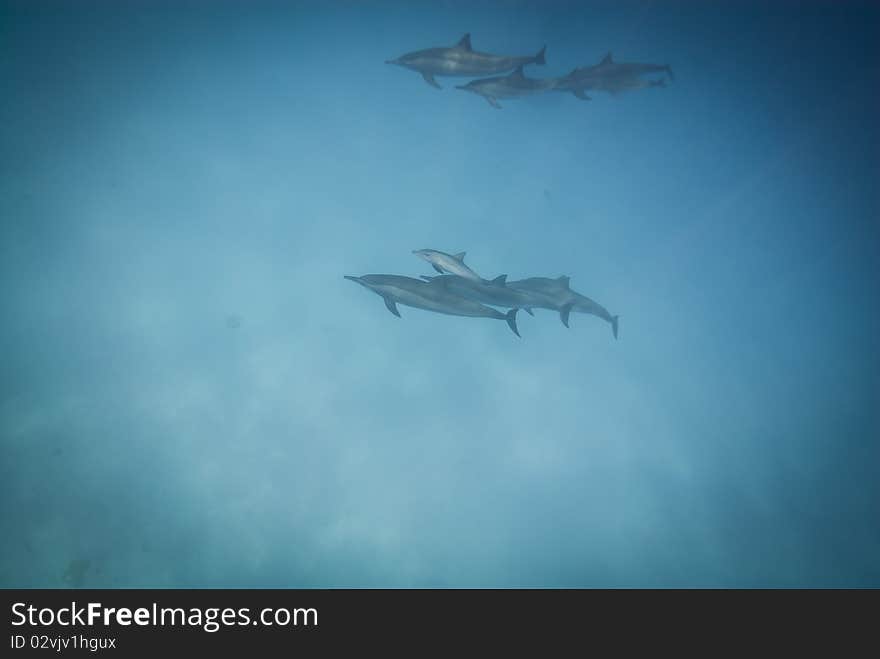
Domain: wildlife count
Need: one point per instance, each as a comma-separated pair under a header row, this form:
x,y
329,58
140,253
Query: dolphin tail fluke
x,y
614,325
511,321
539,58
564,313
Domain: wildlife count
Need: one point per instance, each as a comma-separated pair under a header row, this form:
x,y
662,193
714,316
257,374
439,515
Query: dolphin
x,y
461,60
556,294
515,85
486,292
609,68
613,86
612,77
452,264
395,290
617,85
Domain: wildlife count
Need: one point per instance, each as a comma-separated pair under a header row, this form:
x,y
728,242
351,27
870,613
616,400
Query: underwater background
x,y
192,395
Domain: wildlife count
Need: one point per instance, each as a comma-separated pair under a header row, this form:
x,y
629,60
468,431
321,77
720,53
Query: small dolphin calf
x,y
612,77
410,292
450,263
461,60
515,85
556,294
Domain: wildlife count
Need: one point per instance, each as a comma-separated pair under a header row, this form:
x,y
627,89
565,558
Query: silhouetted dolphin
x,y
612,77
515,85
556,294
395,290
461,60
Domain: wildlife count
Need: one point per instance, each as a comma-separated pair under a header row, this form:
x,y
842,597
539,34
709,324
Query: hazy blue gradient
x,y
166,166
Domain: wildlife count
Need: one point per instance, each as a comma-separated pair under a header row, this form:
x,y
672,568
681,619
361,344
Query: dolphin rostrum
x,y
461,60
612,77
556,294
515,85
453,264
395,290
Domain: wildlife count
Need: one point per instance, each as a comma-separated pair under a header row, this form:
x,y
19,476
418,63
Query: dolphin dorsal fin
x,y
460,256
500,280
518,73
465,42
607,59
564,280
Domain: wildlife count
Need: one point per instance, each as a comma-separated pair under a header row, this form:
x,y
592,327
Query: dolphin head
x,y
363,281
426,254
409,61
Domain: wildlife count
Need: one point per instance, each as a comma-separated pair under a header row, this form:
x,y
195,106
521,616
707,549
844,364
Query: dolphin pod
x,y
460,291
462,60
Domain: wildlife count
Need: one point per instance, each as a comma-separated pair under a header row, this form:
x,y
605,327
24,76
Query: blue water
x,y
192,395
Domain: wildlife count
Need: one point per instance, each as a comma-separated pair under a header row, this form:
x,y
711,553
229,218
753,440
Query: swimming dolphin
x,y
395,290
461,60
617,85
515,85
613,86
612,77
452,264
494,292
556,294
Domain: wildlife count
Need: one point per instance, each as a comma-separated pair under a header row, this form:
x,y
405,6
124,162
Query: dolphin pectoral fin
x,y
495,104
529,311
564,313
437,268
581,94
429,78
614,320
511,321
500,280
392,306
